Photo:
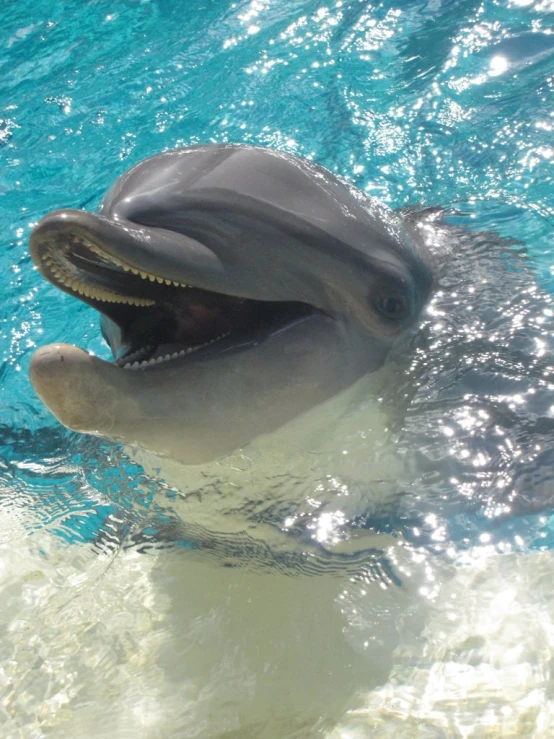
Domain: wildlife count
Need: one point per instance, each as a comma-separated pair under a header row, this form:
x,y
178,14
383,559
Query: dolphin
x,y
239,287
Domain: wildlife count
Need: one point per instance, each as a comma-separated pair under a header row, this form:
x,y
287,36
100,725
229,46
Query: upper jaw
x,y
75,251
158,256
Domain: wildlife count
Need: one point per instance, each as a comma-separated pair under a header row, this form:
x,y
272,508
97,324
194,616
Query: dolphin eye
x,y
392,307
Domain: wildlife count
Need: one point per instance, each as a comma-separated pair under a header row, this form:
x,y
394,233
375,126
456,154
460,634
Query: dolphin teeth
x,y
97,293
127,360
61,275
142,364
91,291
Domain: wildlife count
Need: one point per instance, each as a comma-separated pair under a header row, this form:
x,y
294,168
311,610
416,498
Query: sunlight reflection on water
x,y
110,628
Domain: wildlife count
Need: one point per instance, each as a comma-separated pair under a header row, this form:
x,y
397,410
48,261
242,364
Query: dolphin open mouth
x,y
157,319
245,287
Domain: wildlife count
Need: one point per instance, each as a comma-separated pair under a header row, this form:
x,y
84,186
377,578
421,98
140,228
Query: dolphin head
x,y
238,288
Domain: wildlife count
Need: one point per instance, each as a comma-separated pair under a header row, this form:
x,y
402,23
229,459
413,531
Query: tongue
x,y
199,325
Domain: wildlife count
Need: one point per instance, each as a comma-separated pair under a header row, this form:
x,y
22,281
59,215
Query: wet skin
x,y
239,287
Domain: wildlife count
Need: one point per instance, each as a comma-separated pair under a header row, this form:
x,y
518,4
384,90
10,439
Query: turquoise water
x,y
446,103
429,103
438,103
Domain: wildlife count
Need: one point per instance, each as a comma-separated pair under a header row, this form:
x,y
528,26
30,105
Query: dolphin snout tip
x,y
45,357
54,362
53,353
62,378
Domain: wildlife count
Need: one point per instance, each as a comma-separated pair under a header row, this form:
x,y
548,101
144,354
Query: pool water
x,y
112,624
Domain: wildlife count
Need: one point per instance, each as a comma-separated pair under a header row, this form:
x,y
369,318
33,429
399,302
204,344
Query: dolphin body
x,y
298,287
239,287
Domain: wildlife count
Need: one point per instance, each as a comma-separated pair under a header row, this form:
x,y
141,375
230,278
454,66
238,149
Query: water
x,y
111,629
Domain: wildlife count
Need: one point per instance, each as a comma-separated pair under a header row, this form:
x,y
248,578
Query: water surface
x,y
109,628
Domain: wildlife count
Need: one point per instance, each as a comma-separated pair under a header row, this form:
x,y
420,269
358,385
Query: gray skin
x,y
338,278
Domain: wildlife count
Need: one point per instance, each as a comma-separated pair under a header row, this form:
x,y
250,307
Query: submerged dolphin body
x,y
239,288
